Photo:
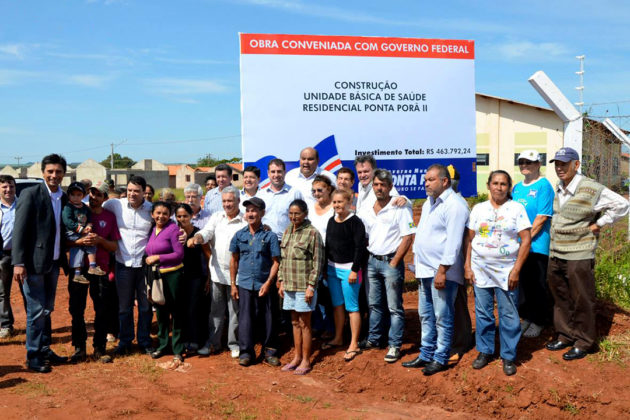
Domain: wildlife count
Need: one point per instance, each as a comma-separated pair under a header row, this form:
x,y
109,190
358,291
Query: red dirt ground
x,y
366,388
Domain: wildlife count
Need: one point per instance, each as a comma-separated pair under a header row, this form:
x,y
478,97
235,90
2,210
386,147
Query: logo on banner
x,y
327,150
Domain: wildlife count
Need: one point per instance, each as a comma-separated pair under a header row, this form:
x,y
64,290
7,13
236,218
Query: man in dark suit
x,y
38,253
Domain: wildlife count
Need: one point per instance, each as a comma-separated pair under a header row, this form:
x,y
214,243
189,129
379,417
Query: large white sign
x,y
408,102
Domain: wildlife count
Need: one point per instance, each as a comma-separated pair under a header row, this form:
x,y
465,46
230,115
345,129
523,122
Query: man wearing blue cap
x,y
581,207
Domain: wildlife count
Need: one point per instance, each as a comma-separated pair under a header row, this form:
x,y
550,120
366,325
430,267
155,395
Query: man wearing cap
x,y
581,207
302,177
104,237
255,259
536,194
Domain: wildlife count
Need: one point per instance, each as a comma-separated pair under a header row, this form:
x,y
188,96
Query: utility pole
x,y
18,158
580,88
111,158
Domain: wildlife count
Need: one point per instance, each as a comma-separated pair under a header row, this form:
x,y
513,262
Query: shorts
x,y
342,292
294,301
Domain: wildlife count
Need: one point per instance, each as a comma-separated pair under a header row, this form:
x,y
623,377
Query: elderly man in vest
x,y
581,207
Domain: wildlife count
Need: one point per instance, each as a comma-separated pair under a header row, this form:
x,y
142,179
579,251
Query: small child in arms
x,y
76,217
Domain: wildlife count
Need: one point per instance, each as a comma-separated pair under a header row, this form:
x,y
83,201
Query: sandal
x,y
329,345
302,371
288,367
351,354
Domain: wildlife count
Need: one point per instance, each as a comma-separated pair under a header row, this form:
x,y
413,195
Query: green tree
x,y
120,162
209,160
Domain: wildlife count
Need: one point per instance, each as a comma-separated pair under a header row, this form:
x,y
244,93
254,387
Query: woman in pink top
x,y
165,249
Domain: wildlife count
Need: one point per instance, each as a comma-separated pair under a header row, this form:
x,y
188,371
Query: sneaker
x,y
393,354
6,332
111,338
96,271
80,278
235,353
368,345
533,331
100,356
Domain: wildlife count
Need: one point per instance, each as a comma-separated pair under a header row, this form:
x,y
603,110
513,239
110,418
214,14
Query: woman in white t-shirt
x,y
320,212
497,244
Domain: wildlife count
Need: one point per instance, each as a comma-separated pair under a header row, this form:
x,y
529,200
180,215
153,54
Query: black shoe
x,y
415,363
121,350
433,368
38,365
557,345
157,353
272,360
244,361
574,354
147,350
509,368
79,355
481,361
54,359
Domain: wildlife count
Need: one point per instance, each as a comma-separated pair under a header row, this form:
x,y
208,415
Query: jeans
x,y
39,291
222,300
77,253
437,312
6,280
130,285
385,302
509,322
99,289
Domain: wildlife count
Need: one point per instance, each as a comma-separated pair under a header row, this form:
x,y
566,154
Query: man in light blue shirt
x,y
277,197
213,201
7,205
439,268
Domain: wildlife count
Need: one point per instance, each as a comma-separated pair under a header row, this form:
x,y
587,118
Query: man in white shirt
x,y
251,180
192,196
277,197
389,229
365,165
302,177
213,201
439,268
219,232
133,215
581,208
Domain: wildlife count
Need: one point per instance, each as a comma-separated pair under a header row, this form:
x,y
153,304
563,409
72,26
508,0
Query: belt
x,y
386,258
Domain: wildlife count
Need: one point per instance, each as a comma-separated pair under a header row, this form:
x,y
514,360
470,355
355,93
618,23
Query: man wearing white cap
x,y
581,207
536,194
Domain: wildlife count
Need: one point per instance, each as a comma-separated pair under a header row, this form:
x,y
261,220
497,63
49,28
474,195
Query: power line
x,y
625,101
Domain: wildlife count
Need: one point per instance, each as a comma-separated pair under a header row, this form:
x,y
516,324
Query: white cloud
x,y
527,49
88,80
184,87
22,77
110,59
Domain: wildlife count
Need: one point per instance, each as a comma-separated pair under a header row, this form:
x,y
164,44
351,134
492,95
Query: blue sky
x,y
163,76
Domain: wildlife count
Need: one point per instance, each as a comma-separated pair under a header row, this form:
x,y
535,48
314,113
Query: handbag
x,y
155,286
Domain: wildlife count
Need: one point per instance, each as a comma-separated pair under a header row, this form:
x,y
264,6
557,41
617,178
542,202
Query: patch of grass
x,y
509,388
612,268
326,405
614,349
303,398
149,370
554,395
33,389
571,409
227,409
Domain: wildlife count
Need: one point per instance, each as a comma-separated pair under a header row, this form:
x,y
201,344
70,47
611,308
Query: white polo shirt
x,y
134,226
386,229
219,232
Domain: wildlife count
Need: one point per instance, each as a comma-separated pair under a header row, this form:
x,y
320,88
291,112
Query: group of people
x,y
305,253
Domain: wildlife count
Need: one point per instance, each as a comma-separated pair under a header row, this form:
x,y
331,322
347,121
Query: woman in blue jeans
x,y
497,243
